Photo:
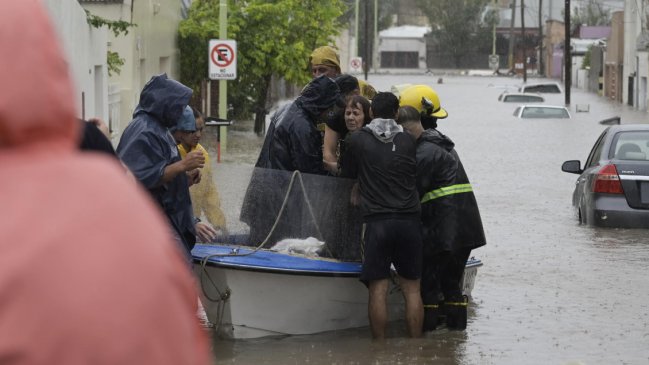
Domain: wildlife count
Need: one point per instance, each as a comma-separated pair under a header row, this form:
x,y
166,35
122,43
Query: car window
x,y
630,145
593,157
544,112
522,98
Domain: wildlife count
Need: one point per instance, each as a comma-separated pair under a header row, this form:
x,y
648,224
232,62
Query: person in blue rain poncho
x,y
149,150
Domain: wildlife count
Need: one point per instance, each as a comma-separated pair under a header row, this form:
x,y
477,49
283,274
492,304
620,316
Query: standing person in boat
x,y
149,150
99,280
205,195
450,214
292,143
382,158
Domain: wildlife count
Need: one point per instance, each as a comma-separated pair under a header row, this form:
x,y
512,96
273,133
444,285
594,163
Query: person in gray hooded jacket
x,y
383,159
149,150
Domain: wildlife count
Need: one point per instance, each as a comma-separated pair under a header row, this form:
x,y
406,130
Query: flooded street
x,y
550,291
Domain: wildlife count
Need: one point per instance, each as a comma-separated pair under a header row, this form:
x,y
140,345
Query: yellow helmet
x,y
424,99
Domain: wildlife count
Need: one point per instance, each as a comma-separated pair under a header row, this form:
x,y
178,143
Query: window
x,y
593,157
513,98
544,112
631,145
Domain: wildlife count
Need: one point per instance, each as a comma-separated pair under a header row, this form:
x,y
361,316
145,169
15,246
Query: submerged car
x,y
520,98
542,111
541,87
613,187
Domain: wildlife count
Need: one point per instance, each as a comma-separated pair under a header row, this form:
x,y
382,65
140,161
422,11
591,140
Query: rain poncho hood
x,y
164,99
384,129
318,95
82,250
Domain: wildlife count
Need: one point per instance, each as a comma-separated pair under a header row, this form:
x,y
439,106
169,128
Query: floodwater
x,y
550,291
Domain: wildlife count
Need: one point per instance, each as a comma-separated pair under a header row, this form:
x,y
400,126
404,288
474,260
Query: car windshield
x,y
631,145
544,112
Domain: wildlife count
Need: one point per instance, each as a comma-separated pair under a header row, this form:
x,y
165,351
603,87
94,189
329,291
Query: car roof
x,y
628,127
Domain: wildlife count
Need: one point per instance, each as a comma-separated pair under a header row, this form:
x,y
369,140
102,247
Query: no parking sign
x,y
356,65
223,59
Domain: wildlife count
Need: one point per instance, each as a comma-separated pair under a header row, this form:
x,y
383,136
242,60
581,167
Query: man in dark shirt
x,y
383,159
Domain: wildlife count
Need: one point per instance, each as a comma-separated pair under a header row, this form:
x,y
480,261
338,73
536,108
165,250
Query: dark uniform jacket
x,y
147,148
436,171
450,215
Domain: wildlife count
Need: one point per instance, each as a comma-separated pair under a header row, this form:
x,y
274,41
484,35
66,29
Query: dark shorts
x,y
392,241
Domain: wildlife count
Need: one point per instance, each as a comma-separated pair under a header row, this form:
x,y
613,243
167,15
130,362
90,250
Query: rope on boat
x,y
224,296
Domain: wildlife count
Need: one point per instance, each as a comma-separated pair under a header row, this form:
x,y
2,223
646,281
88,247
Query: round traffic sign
x,y
222,55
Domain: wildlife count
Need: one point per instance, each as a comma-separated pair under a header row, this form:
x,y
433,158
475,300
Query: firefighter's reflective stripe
x,y
446,190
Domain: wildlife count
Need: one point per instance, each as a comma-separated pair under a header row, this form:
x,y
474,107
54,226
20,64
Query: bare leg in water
x,y
414,306
378,307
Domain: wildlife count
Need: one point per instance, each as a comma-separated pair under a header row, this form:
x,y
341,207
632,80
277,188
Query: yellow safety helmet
x,y
424,99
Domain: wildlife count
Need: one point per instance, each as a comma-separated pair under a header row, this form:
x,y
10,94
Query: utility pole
x,y
567,58
510,53
541,53
523,43
223,84
375,44
356,35
366,53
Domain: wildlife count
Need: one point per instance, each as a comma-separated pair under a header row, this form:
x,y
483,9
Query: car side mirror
x,y
572,166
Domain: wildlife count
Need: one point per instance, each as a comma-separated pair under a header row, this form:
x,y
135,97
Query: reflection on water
x,y
551,291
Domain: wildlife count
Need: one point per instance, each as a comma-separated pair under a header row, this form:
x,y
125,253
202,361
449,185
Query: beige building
x,y
149,48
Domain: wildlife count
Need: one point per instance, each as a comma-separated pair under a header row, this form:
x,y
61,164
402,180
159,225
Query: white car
x,y
541,87
542,111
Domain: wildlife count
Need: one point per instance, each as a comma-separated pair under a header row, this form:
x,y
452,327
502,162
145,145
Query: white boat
x,y
252,293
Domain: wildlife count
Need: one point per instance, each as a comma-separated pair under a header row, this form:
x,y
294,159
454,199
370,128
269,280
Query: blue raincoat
x,y
147,148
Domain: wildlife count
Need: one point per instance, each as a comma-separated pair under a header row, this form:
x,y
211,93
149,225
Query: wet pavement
x,y
551,291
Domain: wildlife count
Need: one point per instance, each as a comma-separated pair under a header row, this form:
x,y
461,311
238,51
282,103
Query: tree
x,y
458,25
592,13
274,38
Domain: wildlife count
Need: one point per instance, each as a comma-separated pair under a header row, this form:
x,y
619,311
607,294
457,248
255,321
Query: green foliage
x,y
118,27
114,62
274,38
458,25
592,13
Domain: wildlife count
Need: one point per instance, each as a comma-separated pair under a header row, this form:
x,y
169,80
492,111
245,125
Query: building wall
x,y
554,36
85,50
614,59
149,48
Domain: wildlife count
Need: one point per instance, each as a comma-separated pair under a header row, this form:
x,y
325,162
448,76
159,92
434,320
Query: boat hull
x,y
255,294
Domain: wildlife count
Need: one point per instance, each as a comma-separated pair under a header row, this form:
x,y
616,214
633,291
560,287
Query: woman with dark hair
x,y
356,115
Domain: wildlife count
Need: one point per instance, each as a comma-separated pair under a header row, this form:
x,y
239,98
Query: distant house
x,y
403,47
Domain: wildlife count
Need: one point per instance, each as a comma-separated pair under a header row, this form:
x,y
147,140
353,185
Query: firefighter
x,y
451,221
